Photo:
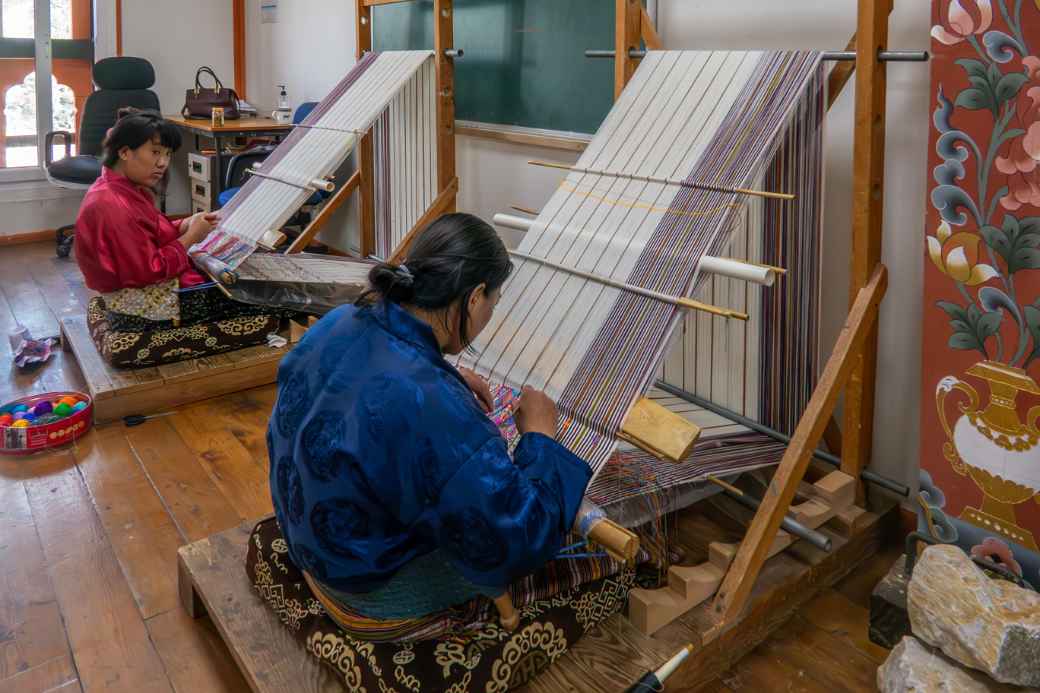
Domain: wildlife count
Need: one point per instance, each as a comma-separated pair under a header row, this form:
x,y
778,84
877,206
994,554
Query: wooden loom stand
x,y
853,362
363,179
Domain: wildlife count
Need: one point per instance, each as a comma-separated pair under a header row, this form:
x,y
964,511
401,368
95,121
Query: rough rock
x,y
914,667
986,624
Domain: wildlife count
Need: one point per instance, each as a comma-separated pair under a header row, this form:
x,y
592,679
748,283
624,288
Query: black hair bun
x,y
394,282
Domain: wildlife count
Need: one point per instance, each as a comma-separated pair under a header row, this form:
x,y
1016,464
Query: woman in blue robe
x,y
393,489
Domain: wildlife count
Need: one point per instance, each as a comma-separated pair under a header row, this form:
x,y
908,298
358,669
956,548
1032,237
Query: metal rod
x,y
666,181
677,301
454,53
883,56
817,539
359,133
314,186
866,474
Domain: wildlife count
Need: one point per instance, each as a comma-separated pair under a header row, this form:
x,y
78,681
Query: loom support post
x,y
866,474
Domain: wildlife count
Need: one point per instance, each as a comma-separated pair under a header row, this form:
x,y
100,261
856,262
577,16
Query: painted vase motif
x,y
994,447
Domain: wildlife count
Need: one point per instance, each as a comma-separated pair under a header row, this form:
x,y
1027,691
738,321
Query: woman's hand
x,y
536,413
480,388
197,227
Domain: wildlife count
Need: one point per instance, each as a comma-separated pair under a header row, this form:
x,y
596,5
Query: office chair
x,y
120,82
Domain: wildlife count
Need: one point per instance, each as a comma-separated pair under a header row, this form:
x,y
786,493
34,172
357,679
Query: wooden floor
x,y
88,538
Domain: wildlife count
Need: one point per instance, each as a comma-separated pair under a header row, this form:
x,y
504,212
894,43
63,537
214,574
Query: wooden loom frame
x,y
853,361
363,179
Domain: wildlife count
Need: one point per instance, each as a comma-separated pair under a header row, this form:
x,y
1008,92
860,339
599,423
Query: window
x,y
27,112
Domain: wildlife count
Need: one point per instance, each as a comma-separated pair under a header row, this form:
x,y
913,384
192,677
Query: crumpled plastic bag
x,y
29,351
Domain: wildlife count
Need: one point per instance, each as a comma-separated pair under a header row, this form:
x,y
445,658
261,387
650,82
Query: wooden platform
x,y
213,581
118,392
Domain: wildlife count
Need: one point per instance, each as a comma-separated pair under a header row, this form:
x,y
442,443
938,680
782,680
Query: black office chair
x,y
120,82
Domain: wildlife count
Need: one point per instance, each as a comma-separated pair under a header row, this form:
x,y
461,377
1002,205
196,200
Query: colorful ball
x,y
63,409
80,406
71,401
21,423
42,408
28,416
6,419
19,415
19,407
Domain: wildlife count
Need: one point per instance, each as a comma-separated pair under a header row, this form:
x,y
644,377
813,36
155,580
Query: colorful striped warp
x,y
735,119
394,94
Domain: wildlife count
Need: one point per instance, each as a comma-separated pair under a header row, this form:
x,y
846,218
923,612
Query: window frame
x,y
43,49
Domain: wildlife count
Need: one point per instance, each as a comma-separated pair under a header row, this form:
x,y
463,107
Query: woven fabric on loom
x,y
706,117
394,90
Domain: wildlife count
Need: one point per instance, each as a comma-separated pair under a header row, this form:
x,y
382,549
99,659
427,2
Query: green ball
x,y
63,410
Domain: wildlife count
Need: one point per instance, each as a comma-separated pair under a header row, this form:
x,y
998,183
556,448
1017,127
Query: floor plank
x,y
227,462
195,657
31,630
109,640
58,674
138,526
196,505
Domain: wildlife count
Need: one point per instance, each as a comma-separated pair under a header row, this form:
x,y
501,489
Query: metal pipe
x,y
454,53
817,539
866,474
883,56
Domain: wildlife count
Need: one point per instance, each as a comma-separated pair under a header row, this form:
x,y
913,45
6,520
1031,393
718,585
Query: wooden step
x,y
121,392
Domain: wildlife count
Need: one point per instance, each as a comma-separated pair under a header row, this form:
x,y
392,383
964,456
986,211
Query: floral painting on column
x,y
980,442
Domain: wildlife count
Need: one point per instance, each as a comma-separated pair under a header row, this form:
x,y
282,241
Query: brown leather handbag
x,y
200,101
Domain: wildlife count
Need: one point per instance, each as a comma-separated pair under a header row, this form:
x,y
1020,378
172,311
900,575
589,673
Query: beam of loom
x,y
700,116
394,94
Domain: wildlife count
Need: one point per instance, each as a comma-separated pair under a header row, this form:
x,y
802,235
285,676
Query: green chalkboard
x,y
524,60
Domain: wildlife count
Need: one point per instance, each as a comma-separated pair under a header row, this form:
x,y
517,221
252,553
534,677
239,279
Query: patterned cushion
x,y
157,347
482,658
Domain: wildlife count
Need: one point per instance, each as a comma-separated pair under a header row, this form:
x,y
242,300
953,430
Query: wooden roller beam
x,y
660,432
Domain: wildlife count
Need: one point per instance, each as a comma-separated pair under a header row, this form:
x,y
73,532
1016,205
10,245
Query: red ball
x,y
6,419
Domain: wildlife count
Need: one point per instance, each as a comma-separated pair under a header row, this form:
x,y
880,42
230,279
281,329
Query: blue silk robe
x,y
380,454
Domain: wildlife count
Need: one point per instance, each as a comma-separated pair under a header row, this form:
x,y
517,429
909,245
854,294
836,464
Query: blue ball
x,y
29,416
19,407
80,406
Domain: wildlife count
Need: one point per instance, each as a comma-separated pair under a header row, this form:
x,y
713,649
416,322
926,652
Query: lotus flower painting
x,y
980,413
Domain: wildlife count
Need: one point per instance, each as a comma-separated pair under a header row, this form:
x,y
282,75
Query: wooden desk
x,y
243,127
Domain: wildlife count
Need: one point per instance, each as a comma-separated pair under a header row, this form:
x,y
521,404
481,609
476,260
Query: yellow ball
x,y
21,423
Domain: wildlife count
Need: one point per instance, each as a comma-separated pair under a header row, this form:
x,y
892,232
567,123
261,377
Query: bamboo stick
x,y
677,301
668,181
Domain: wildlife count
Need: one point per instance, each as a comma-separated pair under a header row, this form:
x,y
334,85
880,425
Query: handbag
x,y
200,101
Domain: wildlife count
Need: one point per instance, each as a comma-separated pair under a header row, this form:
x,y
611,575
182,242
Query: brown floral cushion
x,y
483,658
157,347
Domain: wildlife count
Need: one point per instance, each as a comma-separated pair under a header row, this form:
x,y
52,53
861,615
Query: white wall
x,y
495,175
178,38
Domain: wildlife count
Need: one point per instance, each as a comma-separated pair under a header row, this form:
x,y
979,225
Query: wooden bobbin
x,y
507,613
